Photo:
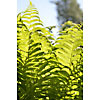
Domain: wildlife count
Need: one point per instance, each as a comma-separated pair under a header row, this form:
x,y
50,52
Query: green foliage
x,y
48,71
68,10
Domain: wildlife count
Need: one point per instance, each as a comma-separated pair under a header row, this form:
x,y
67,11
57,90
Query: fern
x,y
70,53
48,71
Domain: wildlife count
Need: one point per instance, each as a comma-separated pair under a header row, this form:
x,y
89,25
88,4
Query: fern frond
x,y
70,53
47,71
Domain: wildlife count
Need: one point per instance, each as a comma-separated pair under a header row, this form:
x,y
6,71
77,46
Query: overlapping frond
x,y
70,53
47,71
69,43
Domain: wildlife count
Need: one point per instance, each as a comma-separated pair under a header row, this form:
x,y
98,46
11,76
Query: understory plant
x,y
48,68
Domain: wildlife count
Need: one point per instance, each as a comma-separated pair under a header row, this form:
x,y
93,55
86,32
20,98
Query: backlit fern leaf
x,y
70,53
47,71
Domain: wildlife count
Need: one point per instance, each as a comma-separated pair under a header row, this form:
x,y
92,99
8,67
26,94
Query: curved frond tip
x,y
30,2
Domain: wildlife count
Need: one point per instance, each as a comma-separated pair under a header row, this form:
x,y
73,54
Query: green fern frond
x,y
46,71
